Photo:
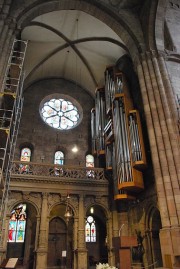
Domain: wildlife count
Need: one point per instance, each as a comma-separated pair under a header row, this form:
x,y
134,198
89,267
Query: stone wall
x,y
46,140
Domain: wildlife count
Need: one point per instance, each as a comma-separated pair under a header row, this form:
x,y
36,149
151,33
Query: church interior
x,y
89,134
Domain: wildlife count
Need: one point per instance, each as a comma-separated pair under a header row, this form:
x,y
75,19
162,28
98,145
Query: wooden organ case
x,y
117,132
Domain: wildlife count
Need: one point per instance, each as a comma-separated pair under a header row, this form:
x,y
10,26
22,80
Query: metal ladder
x,y
10,114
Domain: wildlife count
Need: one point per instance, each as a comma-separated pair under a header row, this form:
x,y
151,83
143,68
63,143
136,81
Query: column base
x,y
41,259
81,258
170,247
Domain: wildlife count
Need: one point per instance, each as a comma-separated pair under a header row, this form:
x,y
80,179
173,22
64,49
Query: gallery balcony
x,y
32,176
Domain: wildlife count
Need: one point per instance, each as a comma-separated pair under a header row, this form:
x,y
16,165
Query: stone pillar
x,y
165,152
75,241
115,223
111,253
170,92
81,250
4,238
41,260
6,41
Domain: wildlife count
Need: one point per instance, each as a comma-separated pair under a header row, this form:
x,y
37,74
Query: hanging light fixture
x,y
92,210
68,212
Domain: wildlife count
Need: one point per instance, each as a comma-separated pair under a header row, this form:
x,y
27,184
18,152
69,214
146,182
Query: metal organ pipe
x,y
100,119
124,169
119,84
135,139
93,130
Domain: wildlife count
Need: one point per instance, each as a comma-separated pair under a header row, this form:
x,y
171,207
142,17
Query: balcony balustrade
x,y
56,171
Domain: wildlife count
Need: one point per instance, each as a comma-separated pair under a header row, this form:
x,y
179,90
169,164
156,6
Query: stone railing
x,y
62,171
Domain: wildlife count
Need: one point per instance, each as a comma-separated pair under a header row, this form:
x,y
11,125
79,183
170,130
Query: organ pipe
x,y
100,119
118,131
93,130
136,140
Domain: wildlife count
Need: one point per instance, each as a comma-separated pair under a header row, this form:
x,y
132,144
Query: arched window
x,y
17,224
25,155
90,163
89,160
90,229
59,158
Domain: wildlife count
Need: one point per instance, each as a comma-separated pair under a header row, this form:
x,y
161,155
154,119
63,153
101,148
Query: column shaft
x,y
43,236
155,156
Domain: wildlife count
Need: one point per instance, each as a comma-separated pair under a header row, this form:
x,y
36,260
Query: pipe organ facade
x,y
118,133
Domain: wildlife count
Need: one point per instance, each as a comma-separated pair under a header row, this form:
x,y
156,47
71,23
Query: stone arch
x,y
61,234
23,201
159,24
94,204
95,252
25,250
153,226
56,240
130,35
63,203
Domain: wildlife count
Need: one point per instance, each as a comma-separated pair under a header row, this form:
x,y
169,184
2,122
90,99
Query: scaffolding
x,y
11,103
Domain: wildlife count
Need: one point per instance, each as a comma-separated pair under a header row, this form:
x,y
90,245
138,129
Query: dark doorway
x,y
57,242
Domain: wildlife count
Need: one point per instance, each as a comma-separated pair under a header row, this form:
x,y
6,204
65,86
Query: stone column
x,y
75,241
4,238
81,250
170,92
6,40
111,253
165,151
41,261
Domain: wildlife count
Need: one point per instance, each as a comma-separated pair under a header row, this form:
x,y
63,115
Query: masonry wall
x,y
46,140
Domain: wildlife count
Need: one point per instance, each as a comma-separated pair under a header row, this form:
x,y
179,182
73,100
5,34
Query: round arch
x,y
23,248
96,233
153,226
128,32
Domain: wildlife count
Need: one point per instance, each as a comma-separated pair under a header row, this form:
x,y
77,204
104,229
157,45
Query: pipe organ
x,y
116,130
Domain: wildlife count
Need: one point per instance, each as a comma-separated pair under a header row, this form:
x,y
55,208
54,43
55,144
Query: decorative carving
x,y
174,4
74,202
53,199
58,171
89,200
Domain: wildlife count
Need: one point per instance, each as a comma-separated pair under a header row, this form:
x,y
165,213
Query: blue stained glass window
x,y
17,224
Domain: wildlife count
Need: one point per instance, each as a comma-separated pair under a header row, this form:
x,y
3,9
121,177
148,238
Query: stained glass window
x,y
17,224
25,157
60,114
59,157
90,229
90,163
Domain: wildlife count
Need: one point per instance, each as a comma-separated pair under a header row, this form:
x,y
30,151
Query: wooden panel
x,y
128,241
168,261
136,185
124,196
125,258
